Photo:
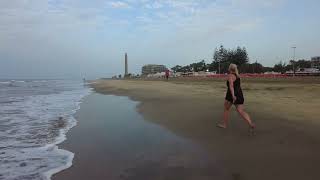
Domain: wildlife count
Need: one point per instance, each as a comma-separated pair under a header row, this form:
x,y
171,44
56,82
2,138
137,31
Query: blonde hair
x,y
234,69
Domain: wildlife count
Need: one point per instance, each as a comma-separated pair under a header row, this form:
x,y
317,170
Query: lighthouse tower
x,y
125,65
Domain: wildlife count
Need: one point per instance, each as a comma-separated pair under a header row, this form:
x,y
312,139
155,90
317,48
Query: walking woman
x,y
234,96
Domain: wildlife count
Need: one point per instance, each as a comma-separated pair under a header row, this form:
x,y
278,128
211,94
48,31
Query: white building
x,y
153,69
315,62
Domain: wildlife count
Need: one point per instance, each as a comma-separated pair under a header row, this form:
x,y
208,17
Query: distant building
x,y
152,69
304,72
315,62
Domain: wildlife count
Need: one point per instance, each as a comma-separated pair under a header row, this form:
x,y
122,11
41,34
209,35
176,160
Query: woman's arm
x,y
231,87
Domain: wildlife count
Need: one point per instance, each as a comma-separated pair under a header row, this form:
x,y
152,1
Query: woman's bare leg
x,y
226,112
244,115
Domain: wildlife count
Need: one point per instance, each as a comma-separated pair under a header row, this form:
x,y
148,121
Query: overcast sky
x,y
88,38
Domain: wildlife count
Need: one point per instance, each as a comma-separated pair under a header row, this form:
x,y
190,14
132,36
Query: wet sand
x,y
287,143
113,141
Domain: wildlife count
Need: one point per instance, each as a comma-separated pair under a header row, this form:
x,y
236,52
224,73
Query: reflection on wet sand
x,y
113,141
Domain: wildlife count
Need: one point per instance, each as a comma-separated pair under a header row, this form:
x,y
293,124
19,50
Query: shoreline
x,y
280,142
121,146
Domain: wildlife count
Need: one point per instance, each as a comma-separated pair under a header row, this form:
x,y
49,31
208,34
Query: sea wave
x,y
30,129
5,82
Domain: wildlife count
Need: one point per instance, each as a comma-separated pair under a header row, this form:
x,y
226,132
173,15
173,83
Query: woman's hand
x,y
234,99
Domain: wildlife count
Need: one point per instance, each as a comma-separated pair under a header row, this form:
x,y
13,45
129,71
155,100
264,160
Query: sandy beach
x,y
287,143
113,140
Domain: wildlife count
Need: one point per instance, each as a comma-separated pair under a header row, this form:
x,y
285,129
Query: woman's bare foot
x,y
223,126
252,130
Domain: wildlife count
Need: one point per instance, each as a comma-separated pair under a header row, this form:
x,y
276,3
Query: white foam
x,y
70,156
4,82
40,81
31,132
17,81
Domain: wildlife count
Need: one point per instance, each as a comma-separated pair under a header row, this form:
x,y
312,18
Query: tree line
x,y
283,67
222,57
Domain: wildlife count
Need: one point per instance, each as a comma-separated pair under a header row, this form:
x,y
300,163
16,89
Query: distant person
x,y
167,74
234,96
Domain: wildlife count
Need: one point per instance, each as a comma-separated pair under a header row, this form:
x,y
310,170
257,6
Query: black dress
x,y
237,92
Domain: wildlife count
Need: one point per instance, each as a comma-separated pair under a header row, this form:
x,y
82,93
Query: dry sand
x,y
286,113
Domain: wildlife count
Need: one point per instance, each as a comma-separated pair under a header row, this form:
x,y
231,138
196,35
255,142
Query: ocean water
x,y
35,115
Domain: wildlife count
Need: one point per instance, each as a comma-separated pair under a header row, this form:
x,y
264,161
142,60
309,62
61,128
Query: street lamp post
x,y
219,65
253,65
294,57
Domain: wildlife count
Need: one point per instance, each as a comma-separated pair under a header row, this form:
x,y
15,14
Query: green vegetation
x,y
222,57
283,67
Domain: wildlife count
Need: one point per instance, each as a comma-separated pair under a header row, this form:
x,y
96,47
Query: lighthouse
x,y
125,65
